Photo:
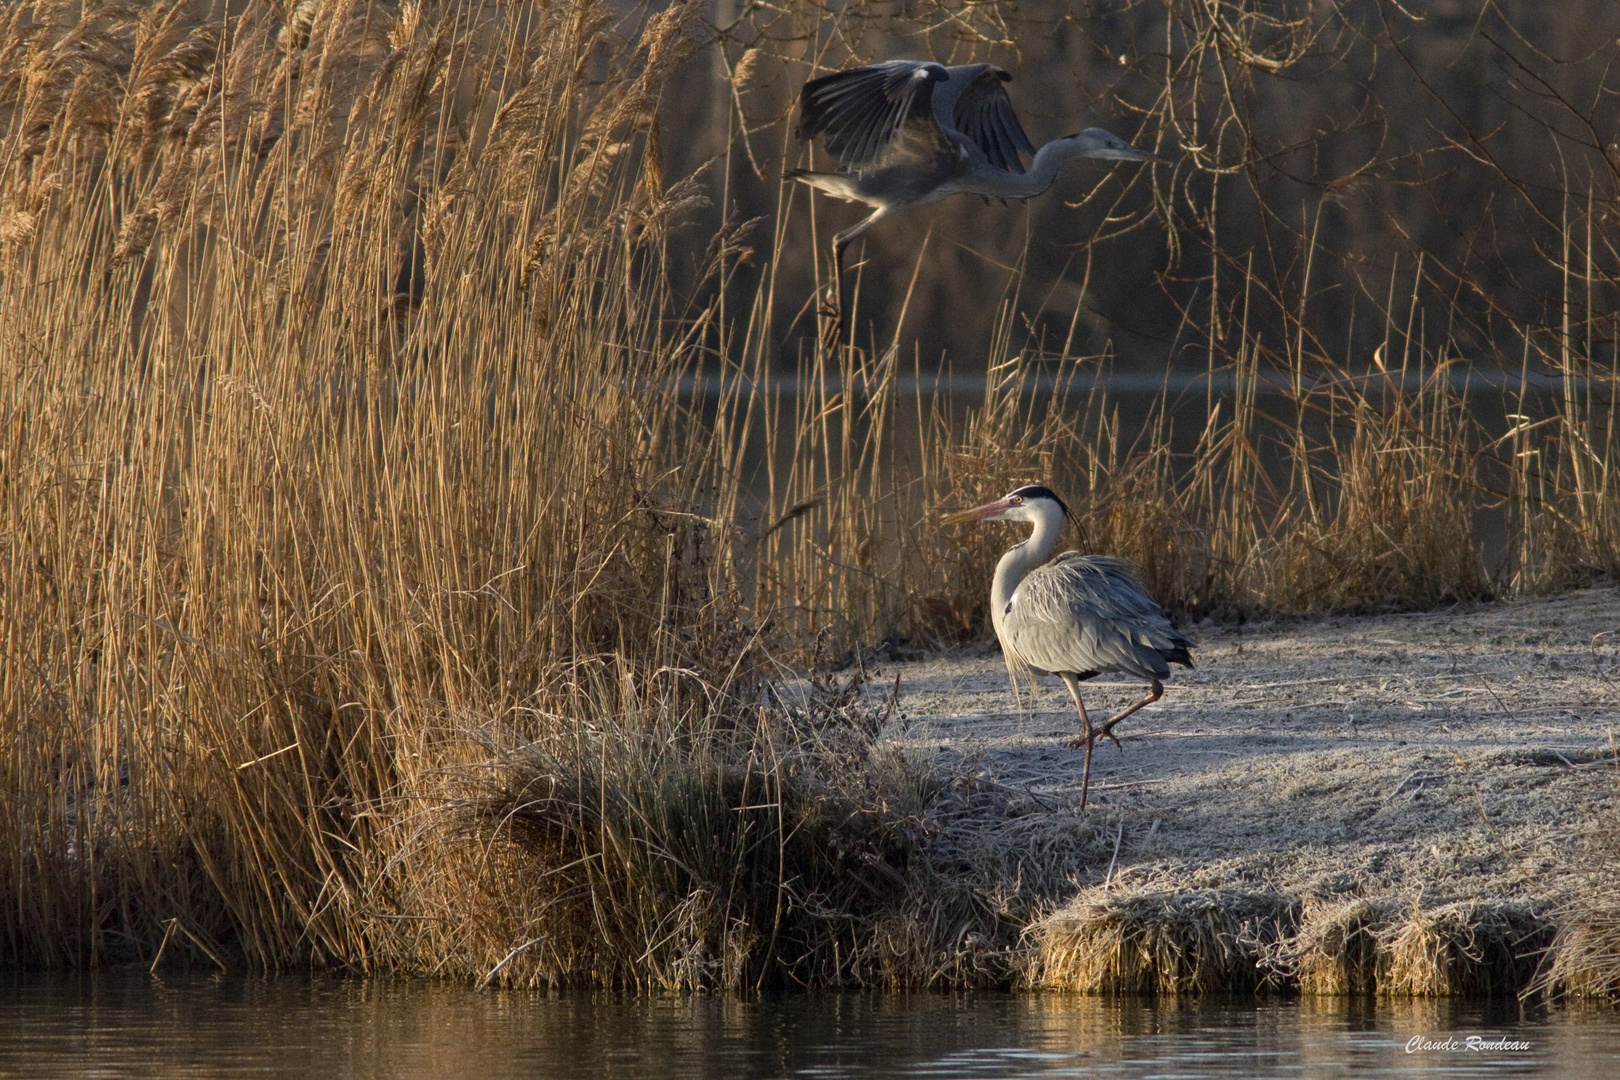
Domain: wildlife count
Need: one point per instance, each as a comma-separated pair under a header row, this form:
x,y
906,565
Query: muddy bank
x,y
1401,804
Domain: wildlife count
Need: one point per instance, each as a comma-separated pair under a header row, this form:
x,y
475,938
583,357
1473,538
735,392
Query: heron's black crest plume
x,y
1038,491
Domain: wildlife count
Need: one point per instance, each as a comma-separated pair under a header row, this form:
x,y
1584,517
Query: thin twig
x,y
1511,714
496,970
1118,834
168,932
1420,778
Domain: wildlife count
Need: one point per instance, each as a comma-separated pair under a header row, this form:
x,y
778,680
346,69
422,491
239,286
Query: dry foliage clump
x,y
1583,960
1217,943
688,849
1158,943
1366,947
1335,951
1470,949
770,844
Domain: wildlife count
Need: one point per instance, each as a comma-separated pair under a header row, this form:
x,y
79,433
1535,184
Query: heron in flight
x,y
1075,617
909,132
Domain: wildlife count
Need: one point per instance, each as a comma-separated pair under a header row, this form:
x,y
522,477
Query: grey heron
x,y
909,132
1075,617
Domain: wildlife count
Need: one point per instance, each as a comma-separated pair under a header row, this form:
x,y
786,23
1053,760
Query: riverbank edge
x,y
1196,942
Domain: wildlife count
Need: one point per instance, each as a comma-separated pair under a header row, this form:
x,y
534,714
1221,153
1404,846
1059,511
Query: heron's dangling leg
x,y
1088,735
833,311
832,301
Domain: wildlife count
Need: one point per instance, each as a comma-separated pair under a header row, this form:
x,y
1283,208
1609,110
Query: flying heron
x,y
1076,617
908,132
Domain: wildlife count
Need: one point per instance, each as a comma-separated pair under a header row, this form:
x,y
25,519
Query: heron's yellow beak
x,y
988,512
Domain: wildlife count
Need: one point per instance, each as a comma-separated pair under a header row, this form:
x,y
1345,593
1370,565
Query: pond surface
x,y
130,1024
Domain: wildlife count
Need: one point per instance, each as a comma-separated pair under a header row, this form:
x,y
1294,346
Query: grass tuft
x,y
1163,944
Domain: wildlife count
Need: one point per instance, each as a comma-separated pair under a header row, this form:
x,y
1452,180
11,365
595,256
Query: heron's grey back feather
x,y
1087,614
861,111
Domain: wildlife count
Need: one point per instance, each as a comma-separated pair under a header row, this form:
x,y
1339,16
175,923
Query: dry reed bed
x,y
372,597
325,454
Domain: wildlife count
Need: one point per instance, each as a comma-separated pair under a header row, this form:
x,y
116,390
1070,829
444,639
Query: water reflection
x,y
132,1025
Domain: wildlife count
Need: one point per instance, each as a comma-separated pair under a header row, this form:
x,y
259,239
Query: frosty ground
x,y
1432,758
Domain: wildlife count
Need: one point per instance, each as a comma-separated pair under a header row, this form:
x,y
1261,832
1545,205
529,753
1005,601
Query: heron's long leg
x,y
1088,735
835,291
832,307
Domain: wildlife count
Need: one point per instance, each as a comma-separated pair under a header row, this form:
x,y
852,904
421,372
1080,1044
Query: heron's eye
x,y
1017,500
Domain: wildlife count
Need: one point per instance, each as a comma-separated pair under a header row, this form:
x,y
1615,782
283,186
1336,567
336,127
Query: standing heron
x,y
1076,617
909,132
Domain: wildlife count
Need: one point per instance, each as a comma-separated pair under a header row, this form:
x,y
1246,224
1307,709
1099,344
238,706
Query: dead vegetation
x,y
1336,949
1157,943
1584,959
715,849
325,449
1212,943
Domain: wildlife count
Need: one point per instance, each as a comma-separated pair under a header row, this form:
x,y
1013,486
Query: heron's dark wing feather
x,y
984,115
860,111
1086,613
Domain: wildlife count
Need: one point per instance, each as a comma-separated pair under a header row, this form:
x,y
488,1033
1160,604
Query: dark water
x,y
133,1025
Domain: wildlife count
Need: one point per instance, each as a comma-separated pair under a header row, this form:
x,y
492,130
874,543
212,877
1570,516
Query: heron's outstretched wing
x,y
984,115
859,111
1087,614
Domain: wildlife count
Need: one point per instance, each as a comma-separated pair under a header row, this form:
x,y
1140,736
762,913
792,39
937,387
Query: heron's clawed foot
x,y
1084,742
832,324
829,302
831,333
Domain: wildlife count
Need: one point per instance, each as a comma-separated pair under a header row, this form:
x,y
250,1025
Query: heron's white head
x,y
1032,503
1097,143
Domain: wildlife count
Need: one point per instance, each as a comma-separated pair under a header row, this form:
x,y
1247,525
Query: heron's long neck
x,y
1019,560
1048,160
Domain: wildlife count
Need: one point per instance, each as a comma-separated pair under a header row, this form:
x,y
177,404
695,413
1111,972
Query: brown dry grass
x,y
326,446
1172,944
1465,950
1157,943
1584,958
1335,952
